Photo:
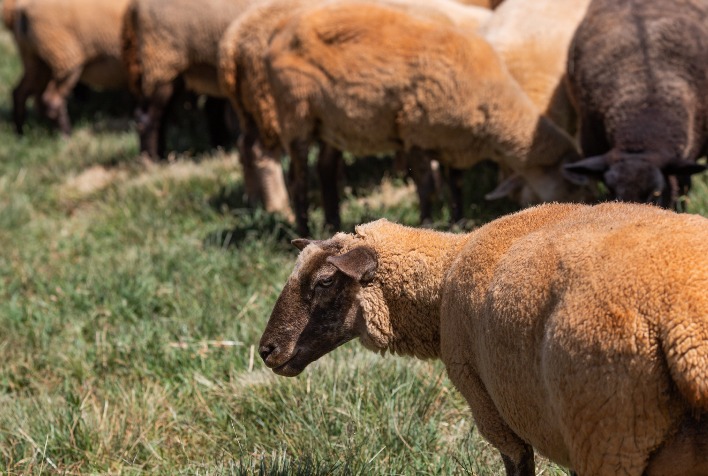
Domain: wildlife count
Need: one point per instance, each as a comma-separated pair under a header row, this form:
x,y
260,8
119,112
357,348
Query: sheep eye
x,y
326,282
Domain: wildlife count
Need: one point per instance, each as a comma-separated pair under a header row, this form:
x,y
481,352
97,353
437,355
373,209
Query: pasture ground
x,y
132,296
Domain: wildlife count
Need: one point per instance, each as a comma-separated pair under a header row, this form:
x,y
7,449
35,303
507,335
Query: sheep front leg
x,y
422,174
454,181
151,121
516,454
215,110
328,166
54,99
298,151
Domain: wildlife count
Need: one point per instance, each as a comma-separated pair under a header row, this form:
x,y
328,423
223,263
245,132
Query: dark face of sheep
x,y
636,179
318,309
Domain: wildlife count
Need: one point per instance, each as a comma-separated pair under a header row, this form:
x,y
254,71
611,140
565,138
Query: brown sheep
x,y
370,79
638,75
62,43
168,41
243,75
578,331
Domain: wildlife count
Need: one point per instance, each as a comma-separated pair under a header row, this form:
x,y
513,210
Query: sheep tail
x,y
129,48
685,346
8,13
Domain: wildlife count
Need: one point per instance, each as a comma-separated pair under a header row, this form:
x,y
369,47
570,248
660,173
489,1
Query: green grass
x,y
132,297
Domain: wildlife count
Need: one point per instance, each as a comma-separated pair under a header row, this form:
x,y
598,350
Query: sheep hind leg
x,y
328,167
33,82
54,99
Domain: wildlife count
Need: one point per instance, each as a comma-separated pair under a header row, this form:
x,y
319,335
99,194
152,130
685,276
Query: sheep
x,y
62,43
168,41
637,75
533,38
579,331
243,76
370,79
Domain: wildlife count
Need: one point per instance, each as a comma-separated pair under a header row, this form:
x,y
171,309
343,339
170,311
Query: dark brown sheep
x,y
637,71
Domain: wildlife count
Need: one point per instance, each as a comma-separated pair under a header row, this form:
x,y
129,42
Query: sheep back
x,y
68,34
182,37
545,303
390,73
637,71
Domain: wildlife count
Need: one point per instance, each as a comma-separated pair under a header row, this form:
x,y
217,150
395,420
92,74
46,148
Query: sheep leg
x,y
328,167
33,82
516,454
54,99
215,111
454,182
298,152
422,174
248,148
150,121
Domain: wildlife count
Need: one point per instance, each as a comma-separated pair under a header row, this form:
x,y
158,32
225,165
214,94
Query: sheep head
x,y
636,177
318,309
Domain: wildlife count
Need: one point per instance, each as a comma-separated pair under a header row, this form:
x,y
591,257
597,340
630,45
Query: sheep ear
x,y
684,168
578,172
508,186
359,264
300,243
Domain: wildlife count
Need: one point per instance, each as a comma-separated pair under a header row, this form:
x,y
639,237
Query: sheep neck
x,y
401,308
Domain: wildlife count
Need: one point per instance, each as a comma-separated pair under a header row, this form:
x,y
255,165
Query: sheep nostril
x,y
265,350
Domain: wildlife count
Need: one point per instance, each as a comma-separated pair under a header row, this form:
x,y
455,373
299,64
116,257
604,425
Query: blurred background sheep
x,y
222,49
62,43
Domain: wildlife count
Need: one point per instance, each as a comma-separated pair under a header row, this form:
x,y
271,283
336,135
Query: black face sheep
x,y
62,43
578,331
638,73
370,79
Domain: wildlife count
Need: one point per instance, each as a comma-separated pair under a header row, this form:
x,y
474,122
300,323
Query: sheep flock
x,y
572,328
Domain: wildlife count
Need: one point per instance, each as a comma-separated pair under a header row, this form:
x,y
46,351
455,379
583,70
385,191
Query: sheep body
x,y
164,41
580,331
638,77
62,42
370,79
243,75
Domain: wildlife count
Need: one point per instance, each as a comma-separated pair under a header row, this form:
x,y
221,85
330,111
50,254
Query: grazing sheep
x,y
638,75
62,43
579,331
370,79
243,75
533,38
168,41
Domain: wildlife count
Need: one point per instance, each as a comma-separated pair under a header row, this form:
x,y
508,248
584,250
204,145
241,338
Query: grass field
x,y
132,296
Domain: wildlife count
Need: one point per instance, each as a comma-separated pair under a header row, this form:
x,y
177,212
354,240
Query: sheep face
x,y
635,178
318,309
